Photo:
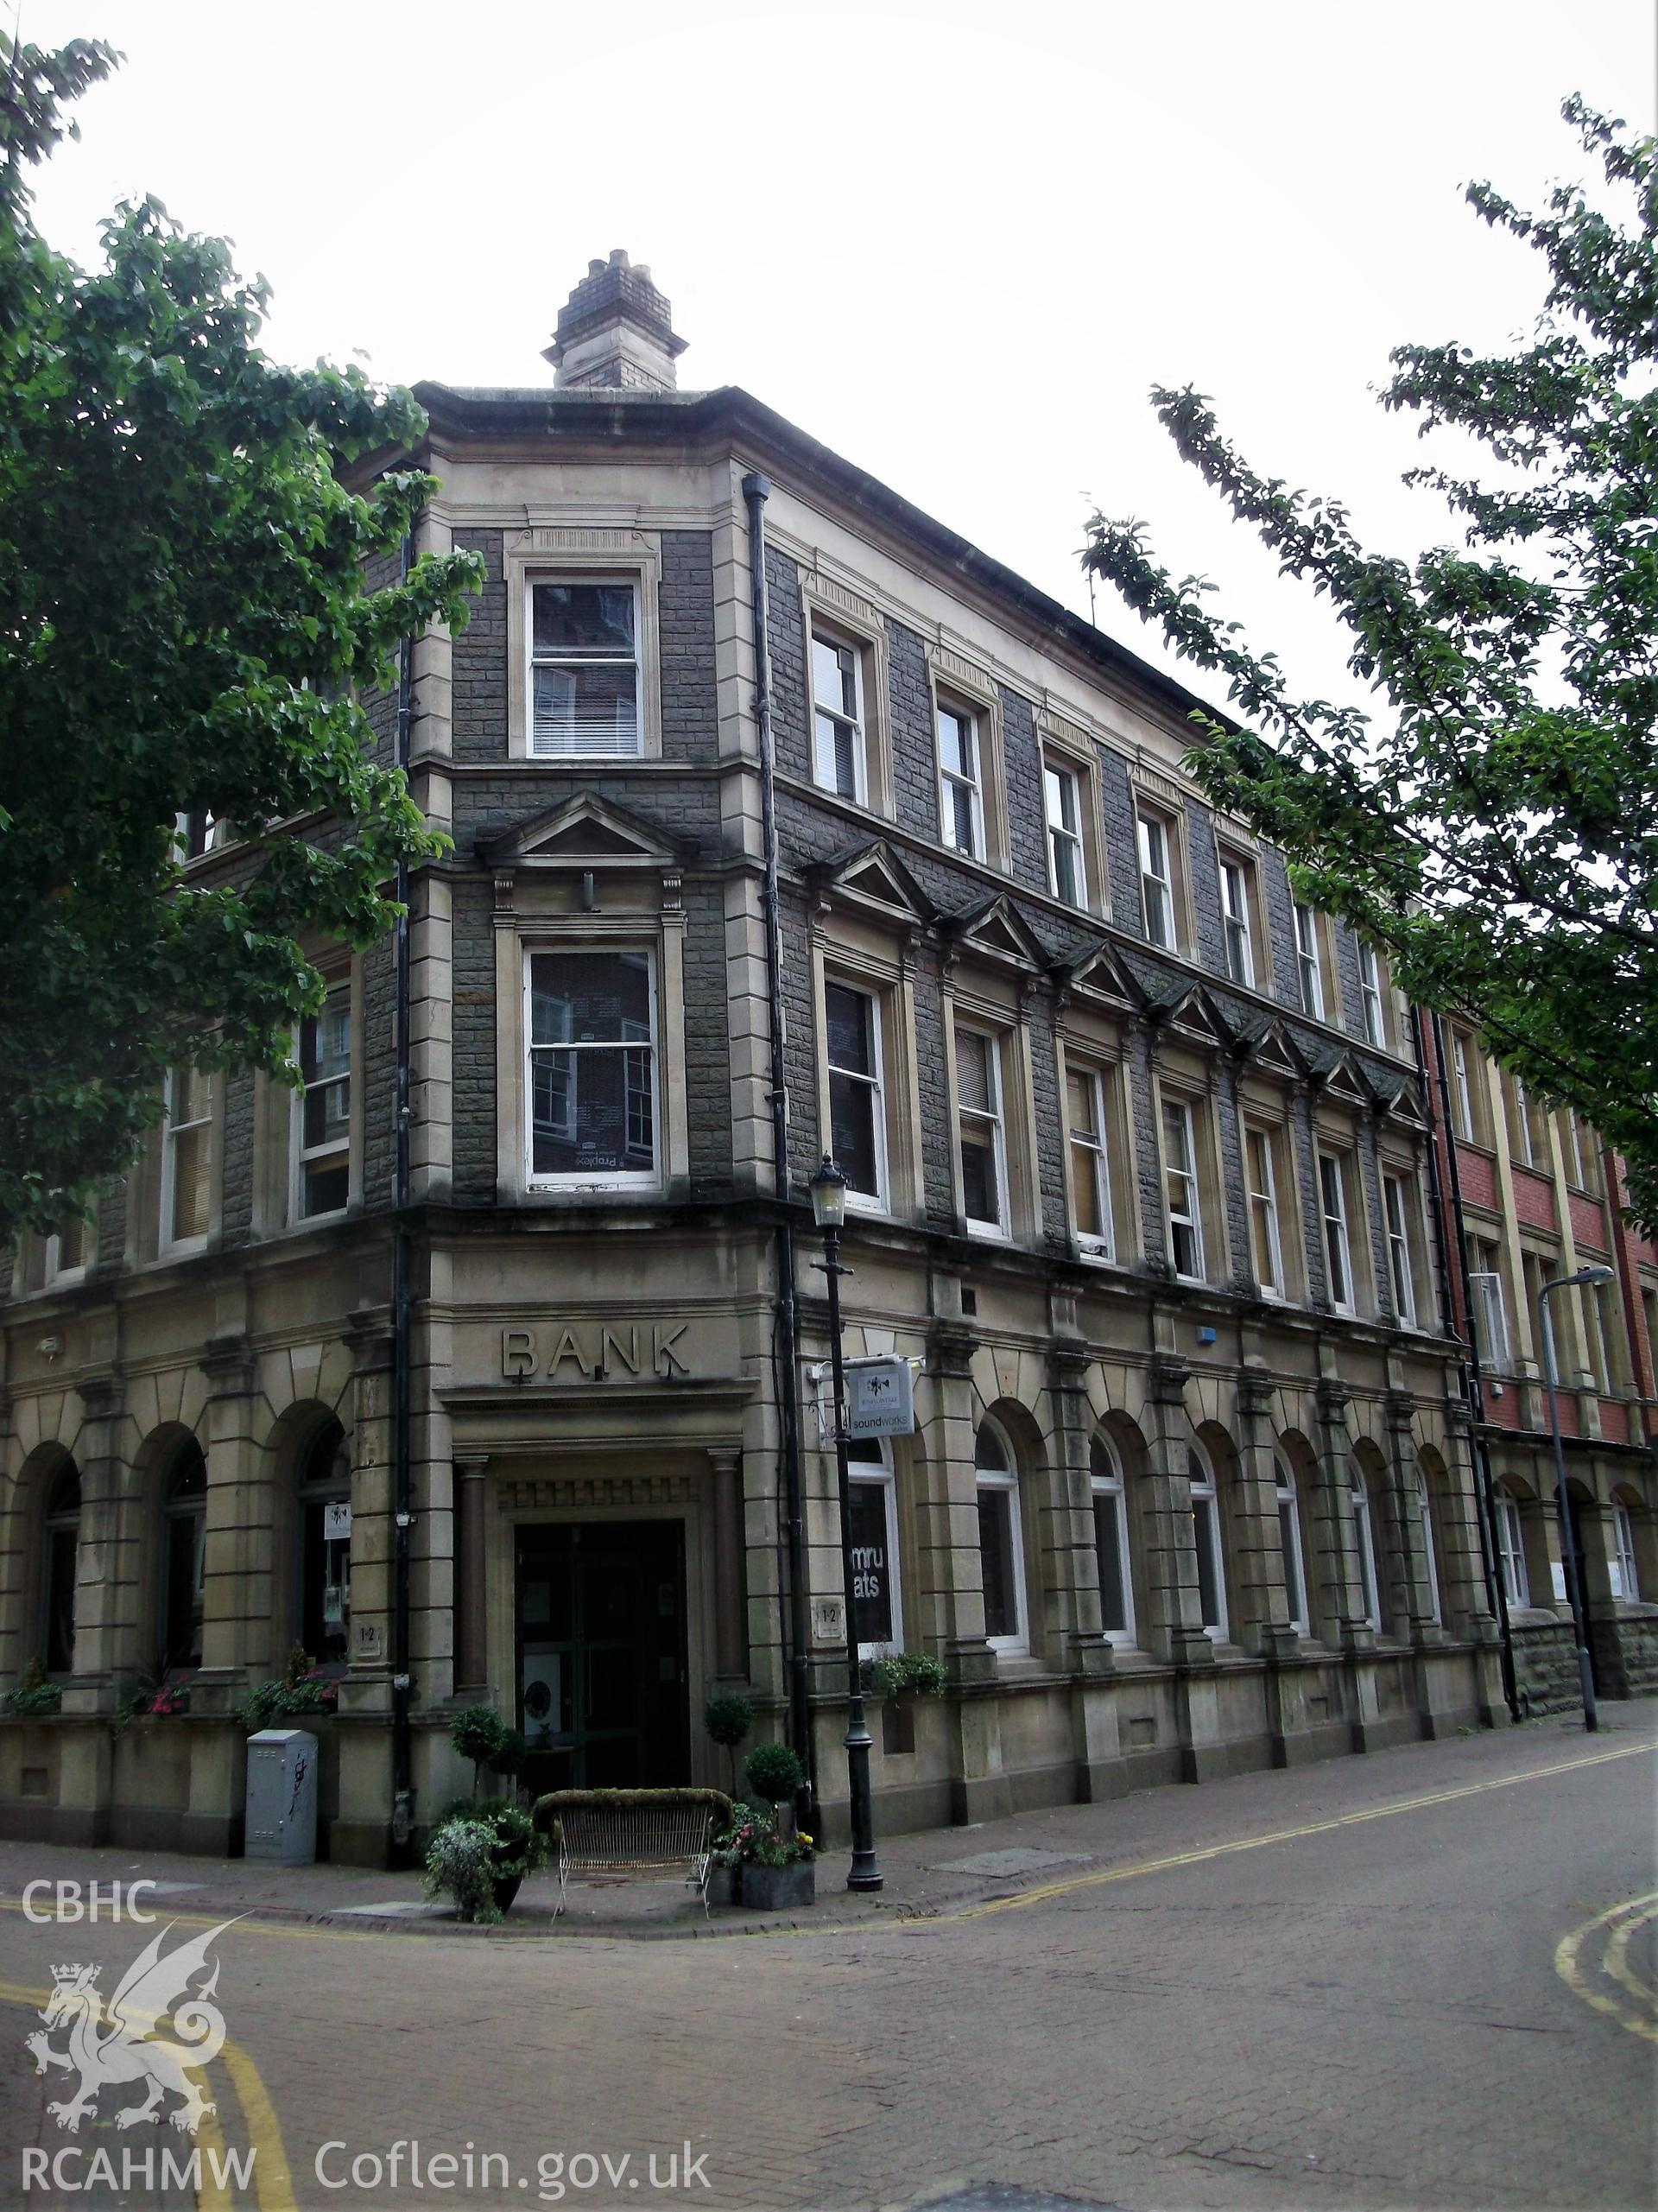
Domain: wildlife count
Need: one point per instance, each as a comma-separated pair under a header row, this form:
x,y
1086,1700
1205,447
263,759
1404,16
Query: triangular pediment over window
x,y
586,832
994,927
872,875
1402,1104
1269,1045
1198,1014
1092,966
1346,1079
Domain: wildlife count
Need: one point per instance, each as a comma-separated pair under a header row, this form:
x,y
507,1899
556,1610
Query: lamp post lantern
x,y
828,1188
1584,1276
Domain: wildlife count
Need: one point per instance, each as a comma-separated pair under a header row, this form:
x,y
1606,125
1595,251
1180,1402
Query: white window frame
x,y
1109,1484
1065,837
1463,1089
1491,1340
215,832
1309,968
1511,1550
1337,1244
869,1459
1364,1544
301,1156
1096,1148
1597,1346
1289,1542
824,633
167,1243
1430,1549
1258,1199
1205,1490
1373,1006
1153,840
862,1201
996,1117
1235,926
952,780
55,1272
622,579
1399,1260
1006,1480
1626,1578
1184,1172
617,1179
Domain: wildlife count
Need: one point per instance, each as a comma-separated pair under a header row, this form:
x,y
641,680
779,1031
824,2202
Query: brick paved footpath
x,y
1367,2012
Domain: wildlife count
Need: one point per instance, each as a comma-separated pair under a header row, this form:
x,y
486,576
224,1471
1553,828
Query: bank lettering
x,y
592,1354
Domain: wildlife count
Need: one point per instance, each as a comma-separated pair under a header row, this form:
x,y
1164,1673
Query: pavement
x,y
1424,1977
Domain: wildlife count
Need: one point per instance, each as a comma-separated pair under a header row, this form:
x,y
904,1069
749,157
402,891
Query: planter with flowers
x,y
479,1856
772,1868
300,1692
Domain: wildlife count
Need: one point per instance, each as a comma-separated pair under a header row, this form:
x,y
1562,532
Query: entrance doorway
x,y
602,1693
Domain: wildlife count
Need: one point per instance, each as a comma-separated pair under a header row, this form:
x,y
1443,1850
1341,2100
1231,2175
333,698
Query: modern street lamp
x,y
828,1188
1583,1277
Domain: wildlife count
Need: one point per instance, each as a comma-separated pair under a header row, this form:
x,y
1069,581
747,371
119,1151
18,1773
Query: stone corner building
x,y
1140,1176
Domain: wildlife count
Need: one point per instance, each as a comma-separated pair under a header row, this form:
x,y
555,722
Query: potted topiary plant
x,y
478,1733
775,1871
728,1718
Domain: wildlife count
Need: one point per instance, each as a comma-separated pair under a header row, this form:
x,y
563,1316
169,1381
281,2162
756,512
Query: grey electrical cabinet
x,y
281,1806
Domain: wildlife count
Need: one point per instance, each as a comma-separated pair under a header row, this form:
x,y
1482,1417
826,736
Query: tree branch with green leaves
x,y
191,535
1494,825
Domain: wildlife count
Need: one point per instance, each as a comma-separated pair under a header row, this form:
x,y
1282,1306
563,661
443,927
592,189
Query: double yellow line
x,y
1620,1921
273,2184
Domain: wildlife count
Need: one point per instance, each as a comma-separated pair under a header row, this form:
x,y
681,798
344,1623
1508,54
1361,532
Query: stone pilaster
x,y
951,1572
1069,1570
729,1656
367,1686
98,1594
238,1635
1260,1598
953,1581
1174,1630
471,1577
1338,1552
1407,1590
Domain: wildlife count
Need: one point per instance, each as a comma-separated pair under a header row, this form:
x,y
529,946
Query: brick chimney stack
x,y
614,333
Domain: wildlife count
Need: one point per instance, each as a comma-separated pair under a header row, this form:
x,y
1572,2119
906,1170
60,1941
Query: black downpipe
x,y
402,1749
1496,1593
756,491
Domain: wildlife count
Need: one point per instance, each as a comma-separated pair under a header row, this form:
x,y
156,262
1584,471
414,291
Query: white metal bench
x,y
619,1833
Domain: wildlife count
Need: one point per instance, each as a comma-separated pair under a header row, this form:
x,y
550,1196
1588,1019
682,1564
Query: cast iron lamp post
x,y
828,1188
1583,1277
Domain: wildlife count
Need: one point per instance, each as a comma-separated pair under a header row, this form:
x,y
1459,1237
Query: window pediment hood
x,y
584,832
1093,966
870,875
1269,1045
994,928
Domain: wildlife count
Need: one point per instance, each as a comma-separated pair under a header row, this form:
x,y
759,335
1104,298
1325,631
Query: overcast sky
x,y
956,242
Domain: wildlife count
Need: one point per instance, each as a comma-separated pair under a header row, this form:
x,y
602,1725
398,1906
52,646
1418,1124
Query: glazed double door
x,y
602,1678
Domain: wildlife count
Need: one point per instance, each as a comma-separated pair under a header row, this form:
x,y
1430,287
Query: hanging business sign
x,y
880,1400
